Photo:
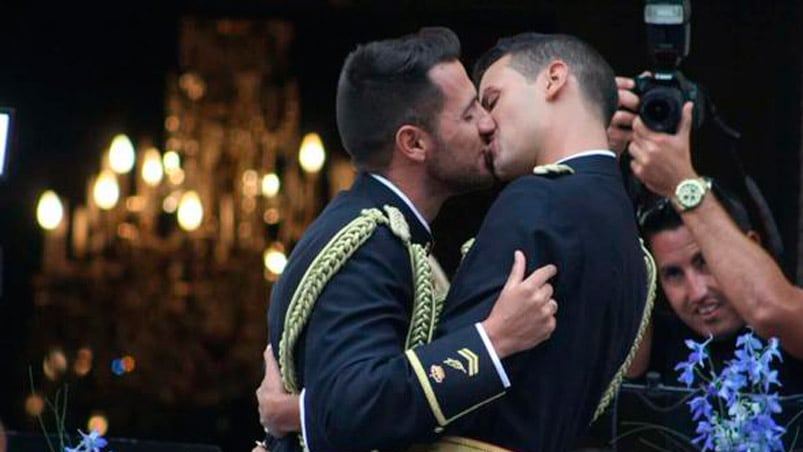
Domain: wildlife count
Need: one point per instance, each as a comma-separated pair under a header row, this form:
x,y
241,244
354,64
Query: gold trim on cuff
x,y
423,380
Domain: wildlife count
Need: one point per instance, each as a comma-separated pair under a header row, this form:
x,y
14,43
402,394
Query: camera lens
x,y
661,108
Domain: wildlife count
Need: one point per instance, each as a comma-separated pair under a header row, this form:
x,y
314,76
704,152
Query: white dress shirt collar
x,y
587,153
403,197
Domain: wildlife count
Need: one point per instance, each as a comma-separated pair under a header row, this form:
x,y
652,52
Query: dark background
x,y
78,76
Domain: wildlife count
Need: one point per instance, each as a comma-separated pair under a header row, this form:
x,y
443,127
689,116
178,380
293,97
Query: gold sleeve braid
x,y
613,387
333,256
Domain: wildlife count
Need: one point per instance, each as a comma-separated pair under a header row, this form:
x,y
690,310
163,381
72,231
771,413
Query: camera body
x,y
664,91
662,98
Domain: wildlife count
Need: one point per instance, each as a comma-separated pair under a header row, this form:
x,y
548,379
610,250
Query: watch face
x,y
690,193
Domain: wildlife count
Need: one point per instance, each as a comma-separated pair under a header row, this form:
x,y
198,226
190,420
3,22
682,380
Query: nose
x,y
697,286
486,123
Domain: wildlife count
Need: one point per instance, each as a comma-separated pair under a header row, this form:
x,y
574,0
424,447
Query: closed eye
x,y
489,98
488,104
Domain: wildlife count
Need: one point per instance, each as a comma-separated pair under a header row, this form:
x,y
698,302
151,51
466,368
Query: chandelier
x,y
167,263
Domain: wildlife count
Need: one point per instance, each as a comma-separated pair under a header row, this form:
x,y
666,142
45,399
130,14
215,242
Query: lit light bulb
x,y
311,155
34,405
171,161
275,259
250,183
190,211
54,364
152,167
170,203
271,185
49,211
106,191
121,154
98,423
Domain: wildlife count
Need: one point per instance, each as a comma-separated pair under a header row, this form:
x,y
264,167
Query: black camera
x,y
665,90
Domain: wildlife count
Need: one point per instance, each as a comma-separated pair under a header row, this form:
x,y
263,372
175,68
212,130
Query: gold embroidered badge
x,y
455,364
437,373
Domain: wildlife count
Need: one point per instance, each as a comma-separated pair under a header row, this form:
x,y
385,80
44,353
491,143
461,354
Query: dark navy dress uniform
x,y
362,389
584,224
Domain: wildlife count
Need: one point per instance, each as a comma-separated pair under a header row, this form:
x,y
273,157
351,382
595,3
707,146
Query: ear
x,y
754,236
556,77
412,142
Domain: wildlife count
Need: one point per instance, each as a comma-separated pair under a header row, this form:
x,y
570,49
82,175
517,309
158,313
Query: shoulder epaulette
x,y
466,247
553,170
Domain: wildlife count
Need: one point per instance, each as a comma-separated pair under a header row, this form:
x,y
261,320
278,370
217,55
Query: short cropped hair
x,y
384,85
532,52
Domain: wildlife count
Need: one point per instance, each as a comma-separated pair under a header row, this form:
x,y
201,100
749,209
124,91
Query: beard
x,y
458,174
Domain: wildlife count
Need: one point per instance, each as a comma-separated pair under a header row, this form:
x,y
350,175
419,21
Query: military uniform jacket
x,y
362,389
584,224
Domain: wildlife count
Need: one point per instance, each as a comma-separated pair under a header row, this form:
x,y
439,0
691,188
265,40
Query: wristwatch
x,y
690,192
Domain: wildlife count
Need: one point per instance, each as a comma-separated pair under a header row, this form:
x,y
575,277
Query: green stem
x,y
719,399
794,418
63,417
794,440
39,416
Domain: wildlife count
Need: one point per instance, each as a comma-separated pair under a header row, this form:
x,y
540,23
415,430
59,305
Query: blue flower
x,y
696,358
742,390
749,342
699,352
700,407
92,442
687,376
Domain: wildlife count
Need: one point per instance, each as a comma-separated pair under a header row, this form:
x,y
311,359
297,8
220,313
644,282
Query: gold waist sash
x,y
458,444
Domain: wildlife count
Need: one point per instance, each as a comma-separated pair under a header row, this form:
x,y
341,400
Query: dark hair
x,y
384,85
663,217
532,52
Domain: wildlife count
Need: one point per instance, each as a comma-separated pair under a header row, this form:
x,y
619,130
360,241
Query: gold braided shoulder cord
x,y
613,387
331,259
423,318
425,313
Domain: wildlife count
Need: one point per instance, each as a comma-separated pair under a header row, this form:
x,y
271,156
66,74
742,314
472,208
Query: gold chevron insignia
x,y
473,361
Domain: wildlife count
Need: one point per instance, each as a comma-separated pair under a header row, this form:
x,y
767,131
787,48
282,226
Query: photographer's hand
x,y
661,161
620,129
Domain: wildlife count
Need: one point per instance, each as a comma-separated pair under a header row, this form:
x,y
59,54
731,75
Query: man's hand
x,y
524,313
661,160
620,129
278,409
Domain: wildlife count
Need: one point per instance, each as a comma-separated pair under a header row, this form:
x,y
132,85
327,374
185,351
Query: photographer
x,y
749,279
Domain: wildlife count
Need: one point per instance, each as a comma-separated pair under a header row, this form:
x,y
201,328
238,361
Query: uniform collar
x,y
593,161
383,191
586,154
